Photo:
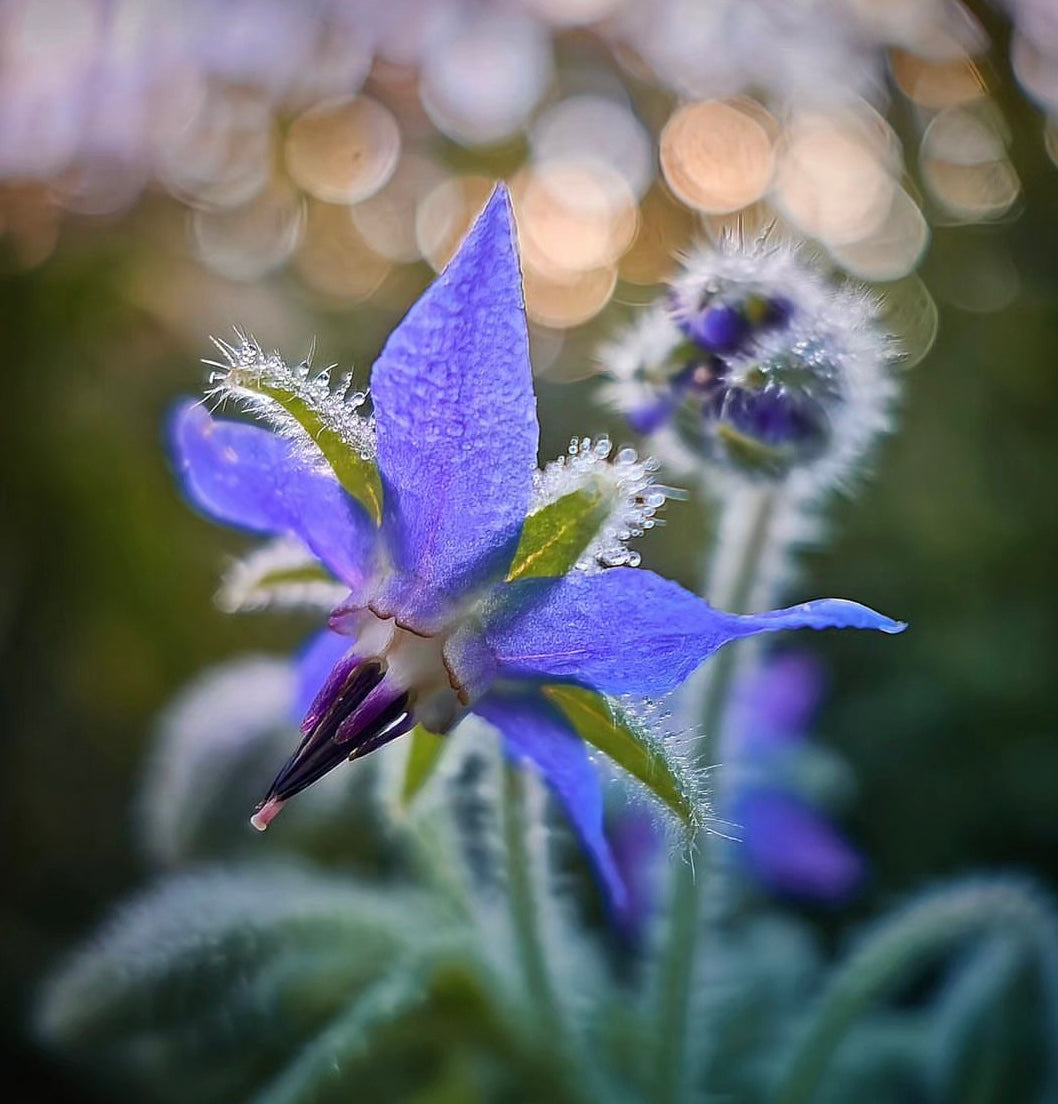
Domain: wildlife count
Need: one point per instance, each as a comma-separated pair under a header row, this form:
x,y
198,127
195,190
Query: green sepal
x,y
308,573
359,476
607,728
424,753
751,454
280,573
555,537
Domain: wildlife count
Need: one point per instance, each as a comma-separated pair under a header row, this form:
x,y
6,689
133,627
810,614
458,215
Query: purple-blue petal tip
x,y
845,614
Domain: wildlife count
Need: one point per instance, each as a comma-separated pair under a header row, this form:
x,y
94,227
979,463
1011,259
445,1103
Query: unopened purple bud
x,y
722,329
774,367
780,311
777,417
701,377
791,849
719,328
697,377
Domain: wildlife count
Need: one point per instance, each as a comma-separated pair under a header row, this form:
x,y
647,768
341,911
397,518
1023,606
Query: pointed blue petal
x,y
629,631
316,661
457,429
791,848
535,732
245,476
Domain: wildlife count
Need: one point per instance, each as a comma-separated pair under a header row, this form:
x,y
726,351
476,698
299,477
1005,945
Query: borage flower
x,y
473,582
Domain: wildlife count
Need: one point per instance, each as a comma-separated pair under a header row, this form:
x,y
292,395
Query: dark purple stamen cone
x,y
352,716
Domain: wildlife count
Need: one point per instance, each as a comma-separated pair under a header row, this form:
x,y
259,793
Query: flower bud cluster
x,y
757,364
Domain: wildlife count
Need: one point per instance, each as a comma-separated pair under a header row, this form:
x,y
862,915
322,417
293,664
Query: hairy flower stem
x,y
524,911
739,570
431,859
741,555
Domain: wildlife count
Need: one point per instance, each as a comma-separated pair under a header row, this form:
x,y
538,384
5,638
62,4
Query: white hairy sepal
x,y
263,383
281,574
766,267
627,484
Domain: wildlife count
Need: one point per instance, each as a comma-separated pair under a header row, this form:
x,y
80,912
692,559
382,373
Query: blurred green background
x,y
106,603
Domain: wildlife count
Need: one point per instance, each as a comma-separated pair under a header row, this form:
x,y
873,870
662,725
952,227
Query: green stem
x,y
743,546
524,914
430,853
909,940
677,970
735,594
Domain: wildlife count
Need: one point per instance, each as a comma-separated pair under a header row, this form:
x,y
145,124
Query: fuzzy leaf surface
x,y
605,726
206,986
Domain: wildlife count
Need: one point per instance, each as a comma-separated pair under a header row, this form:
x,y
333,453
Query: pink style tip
x,y
266,813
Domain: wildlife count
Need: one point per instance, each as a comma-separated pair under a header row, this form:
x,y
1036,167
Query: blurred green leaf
x,y
326,1058
424,753
984,1036
206,985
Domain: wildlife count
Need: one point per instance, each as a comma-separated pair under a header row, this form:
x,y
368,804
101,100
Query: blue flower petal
x,y
790,848
629,631
457,429
316,661
534,731
254,479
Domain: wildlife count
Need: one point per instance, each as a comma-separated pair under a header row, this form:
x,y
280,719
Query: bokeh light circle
x,y
716,155
342,151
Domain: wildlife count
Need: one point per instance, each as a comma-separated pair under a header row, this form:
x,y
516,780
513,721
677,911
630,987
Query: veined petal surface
x,y
456,421
248,477
629,631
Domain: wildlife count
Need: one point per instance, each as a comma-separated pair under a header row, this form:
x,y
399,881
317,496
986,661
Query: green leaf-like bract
x,y
424,751
358,475
931,925
281,574
606,727
556,536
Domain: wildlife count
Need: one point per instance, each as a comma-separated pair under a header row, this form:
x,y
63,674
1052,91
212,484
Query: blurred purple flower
x,y
637,839
787,844
432,625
